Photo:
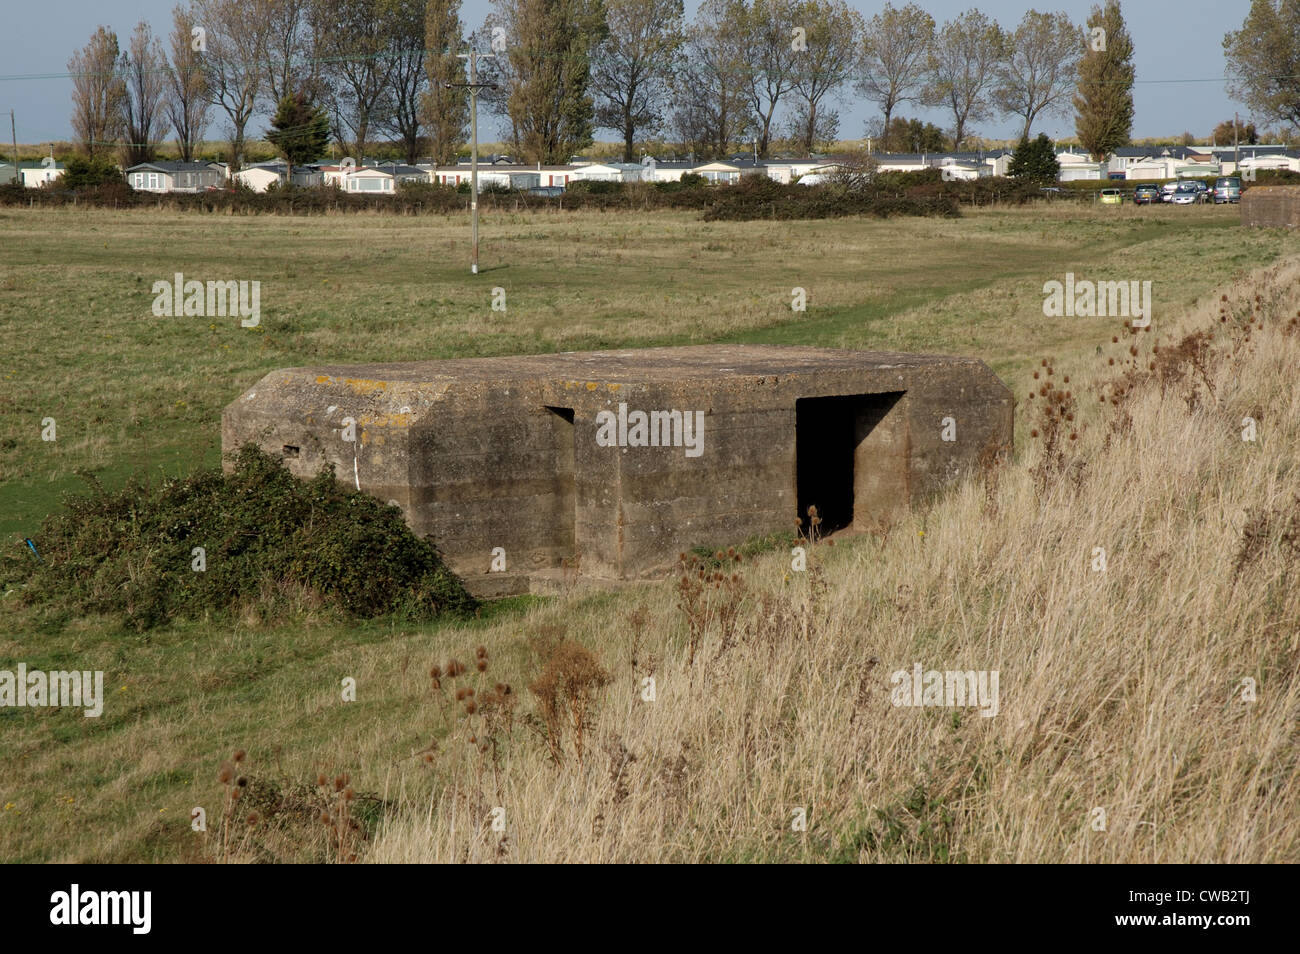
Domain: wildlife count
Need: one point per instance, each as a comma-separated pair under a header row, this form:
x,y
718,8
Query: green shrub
x,y
1273,177
758,197
270,540
423,190
82,172
900,182
594,187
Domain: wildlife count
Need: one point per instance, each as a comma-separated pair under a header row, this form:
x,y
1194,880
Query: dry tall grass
x,y
1120,689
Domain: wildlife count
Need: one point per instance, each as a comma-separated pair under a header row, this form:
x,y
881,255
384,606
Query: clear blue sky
x,y
1179,58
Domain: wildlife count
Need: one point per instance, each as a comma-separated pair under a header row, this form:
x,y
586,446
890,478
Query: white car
x,y
1188,193
1167,191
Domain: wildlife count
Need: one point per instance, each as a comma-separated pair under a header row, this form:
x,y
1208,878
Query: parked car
x,y
1186,193
1146,194
1167,191
1112,197
1227,189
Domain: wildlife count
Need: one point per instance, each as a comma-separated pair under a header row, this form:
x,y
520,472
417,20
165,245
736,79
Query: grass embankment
x,y
1146,705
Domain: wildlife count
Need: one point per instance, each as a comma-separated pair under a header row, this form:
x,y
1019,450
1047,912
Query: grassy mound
x,y
267,539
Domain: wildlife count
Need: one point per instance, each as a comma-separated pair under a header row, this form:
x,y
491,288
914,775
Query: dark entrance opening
x,y
565,496
850,463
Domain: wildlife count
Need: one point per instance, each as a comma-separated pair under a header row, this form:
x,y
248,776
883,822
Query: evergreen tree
x,y
1035,161
299,129
1104,102
81,172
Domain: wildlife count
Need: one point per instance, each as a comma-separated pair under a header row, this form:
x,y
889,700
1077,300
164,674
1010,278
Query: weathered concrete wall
x,y
1271,207
481,453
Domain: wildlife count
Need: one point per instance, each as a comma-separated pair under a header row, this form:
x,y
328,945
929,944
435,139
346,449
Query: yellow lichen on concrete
x,y
386,420
365,385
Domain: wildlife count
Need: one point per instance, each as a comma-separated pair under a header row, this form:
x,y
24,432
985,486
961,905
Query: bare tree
x,y
713,87
963,68
632,68
1264,60
406,56
234,61
895,55
291,64
445,112
1038,74
832,34
770,39
353,37
187,104
854,171
97,93
811,132
144,114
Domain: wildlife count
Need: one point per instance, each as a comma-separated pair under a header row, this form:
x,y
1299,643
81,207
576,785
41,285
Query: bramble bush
x,y
270,539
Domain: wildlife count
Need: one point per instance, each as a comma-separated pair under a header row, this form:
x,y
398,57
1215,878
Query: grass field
x,y
130,390
1118,687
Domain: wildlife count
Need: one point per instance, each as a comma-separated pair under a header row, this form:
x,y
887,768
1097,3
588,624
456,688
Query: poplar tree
x,y
187,100
445,111
144,107
1104,103
549,48
97,93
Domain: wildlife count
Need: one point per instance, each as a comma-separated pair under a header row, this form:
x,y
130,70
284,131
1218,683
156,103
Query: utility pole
x,y
13,132
1236,145
473,86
